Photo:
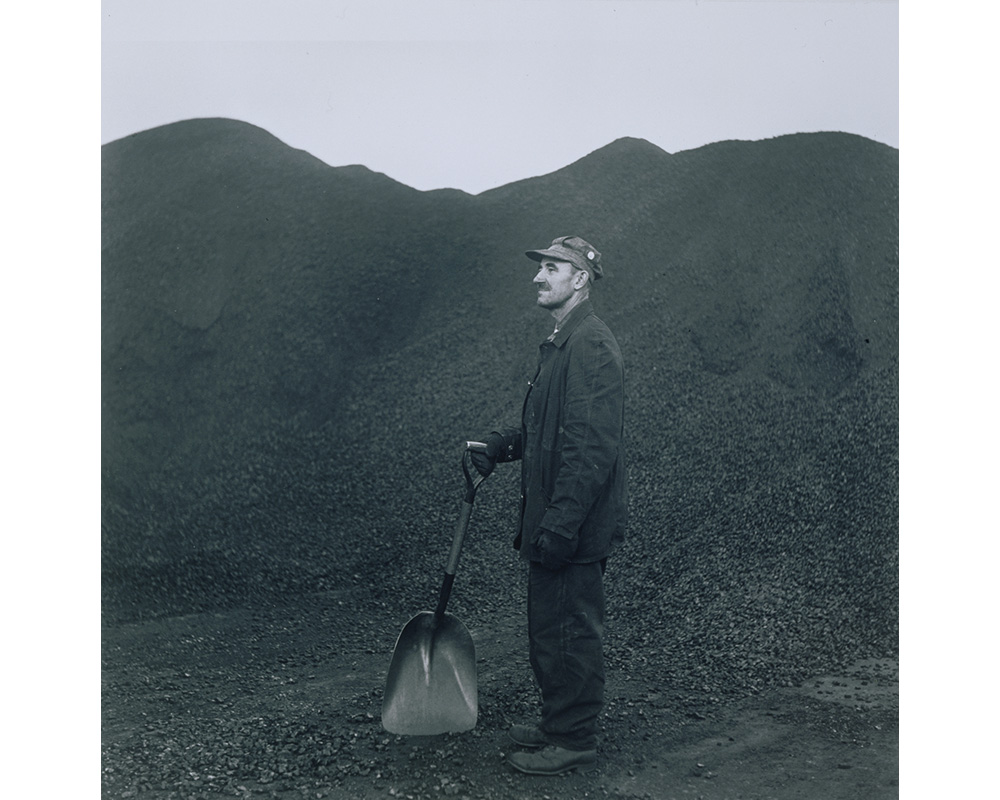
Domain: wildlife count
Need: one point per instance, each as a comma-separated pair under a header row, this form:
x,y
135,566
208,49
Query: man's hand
x,y
556,551
485,462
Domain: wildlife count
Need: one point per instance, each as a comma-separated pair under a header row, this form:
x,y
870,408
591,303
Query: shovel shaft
x,y
465,512
446,585
472,482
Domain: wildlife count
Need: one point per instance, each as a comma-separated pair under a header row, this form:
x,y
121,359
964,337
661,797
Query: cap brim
x,y
558,255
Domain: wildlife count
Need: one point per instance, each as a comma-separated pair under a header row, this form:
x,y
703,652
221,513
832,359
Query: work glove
x,y
555,551
485,462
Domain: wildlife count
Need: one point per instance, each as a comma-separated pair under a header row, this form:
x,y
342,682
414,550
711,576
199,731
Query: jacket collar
x,y
571,322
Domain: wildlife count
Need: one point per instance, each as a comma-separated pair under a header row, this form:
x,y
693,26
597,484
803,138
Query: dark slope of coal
x,y
293,352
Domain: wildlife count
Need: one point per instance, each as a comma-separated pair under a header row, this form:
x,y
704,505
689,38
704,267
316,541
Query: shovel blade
x,y
431,684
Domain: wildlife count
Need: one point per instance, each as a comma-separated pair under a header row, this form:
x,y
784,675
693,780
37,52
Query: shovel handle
x,y
471,481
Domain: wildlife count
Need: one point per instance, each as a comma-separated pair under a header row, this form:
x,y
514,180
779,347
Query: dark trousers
x,y
565,647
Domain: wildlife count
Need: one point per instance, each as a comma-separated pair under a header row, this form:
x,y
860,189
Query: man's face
x,y
556,282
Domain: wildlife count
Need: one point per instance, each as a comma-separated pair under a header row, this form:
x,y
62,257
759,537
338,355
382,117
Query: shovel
x,y
431,684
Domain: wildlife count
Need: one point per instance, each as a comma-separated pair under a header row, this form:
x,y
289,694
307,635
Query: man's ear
x,y
586,278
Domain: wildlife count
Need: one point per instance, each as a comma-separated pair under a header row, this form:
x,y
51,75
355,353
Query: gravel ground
x,y
287,704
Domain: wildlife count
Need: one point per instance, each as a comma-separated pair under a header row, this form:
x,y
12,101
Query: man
x,y
573,501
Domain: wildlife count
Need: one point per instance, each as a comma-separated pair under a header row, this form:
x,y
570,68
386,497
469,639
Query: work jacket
x,y
571,443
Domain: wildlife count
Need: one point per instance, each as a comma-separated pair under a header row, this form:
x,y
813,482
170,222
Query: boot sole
x,y
572,768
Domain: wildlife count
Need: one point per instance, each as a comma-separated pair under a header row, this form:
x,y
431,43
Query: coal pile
x,y
292,354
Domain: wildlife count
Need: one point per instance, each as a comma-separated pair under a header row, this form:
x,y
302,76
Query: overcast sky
x,y
474,94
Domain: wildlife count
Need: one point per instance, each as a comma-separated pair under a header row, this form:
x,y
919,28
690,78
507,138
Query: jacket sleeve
x,y
591,432
511,450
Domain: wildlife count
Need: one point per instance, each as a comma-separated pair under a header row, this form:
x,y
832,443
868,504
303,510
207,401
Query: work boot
x,y
551,760
527,736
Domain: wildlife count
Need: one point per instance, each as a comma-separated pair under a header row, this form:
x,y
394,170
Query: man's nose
x,y
539,277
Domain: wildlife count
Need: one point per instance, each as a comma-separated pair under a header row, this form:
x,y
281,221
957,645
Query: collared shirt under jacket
x,y
571,442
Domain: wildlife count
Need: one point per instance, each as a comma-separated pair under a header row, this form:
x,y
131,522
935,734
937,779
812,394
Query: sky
x,y
474,94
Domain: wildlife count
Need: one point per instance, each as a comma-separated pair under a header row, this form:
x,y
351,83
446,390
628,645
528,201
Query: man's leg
x,y
565,630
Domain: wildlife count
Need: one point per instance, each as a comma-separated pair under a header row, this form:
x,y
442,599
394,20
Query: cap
x,y
575,250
